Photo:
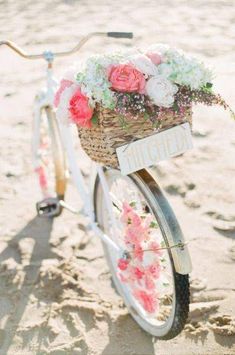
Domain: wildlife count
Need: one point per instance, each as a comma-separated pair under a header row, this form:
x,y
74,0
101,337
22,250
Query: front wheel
x,y
156,296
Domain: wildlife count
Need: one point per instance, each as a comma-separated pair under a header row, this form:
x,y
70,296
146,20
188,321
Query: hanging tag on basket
x,y
153,149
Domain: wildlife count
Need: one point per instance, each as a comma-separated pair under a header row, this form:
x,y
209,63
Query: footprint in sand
x,y
197,329
197,285
224,226
200,133
222,325
192,199
222,222
203,307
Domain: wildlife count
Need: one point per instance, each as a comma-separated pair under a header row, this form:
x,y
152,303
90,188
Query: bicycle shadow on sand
x,y
20,282
18,278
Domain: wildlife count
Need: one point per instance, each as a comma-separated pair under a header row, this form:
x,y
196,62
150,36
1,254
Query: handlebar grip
x,y
120,34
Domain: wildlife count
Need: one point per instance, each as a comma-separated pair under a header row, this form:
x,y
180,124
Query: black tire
x,y
181,282
182,291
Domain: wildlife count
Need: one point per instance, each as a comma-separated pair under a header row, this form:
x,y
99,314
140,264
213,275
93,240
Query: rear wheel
x,y
156,295
51,167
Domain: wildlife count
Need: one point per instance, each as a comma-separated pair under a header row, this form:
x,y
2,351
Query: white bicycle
x,y
165,256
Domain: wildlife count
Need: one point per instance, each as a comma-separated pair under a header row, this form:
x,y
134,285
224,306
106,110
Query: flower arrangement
x,y
149,83
142,268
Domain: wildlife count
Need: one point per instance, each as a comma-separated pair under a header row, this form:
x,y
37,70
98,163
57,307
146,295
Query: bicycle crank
x,y
52,207
49,207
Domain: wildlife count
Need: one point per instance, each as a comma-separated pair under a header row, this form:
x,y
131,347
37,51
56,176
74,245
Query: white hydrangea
x,y
182,69
161,91
94,82
186,71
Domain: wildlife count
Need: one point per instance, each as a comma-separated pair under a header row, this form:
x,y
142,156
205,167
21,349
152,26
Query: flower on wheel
x,y
148,300
142,269
80,111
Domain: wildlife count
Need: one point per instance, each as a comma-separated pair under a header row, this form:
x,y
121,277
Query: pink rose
x,y
80,111
155,57
63,85
126,78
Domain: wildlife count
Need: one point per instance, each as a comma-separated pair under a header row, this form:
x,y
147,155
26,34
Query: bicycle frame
x,y
44,101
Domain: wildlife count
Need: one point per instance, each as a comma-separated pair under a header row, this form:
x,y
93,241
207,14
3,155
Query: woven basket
x,y
100,141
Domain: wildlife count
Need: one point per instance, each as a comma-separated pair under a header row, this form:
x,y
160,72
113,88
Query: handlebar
x,y
120,34
50,55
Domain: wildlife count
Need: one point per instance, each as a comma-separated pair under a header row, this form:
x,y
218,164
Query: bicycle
x,y
54,156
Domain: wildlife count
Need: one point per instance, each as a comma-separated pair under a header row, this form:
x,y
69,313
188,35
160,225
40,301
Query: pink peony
x,y
155,57
63,85
126,78
80,111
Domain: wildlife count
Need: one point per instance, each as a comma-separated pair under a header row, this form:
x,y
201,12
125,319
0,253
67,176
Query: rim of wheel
x,y
51,167
128,188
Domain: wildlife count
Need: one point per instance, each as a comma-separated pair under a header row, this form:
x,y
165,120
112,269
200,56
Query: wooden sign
x,y
153,149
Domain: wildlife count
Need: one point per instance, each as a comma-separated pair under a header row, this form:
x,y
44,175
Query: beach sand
x,y
56,295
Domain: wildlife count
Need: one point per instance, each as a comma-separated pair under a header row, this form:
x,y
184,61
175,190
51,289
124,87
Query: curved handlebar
x,y
84,39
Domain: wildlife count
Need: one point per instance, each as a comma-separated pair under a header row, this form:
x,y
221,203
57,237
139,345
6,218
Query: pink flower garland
x,y
140,277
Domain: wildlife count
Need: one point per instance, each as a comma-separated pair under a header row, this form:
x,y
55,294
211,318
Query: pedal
x,y
49,207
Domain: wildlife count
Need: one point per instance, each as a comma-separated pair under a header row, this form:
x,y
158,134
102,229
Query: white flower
x,y
144,64
161,91
159,47
181,68
165,70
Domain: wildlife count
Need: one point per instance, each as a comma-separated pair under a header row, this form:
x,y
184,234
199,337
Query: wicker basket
x,y
100,141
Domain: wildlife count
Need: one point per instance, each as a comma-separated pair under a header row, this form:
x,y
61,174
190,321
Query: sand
x,y
56,295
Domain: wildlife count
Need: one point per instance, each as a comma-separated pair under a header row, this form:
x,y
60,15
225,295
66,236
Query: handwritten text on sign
x,y
150,150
